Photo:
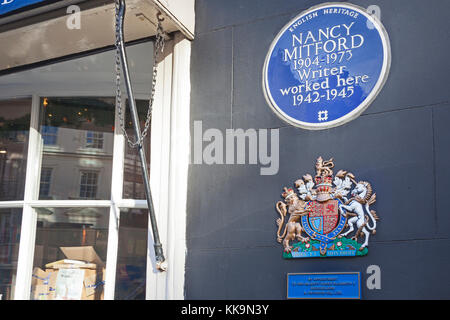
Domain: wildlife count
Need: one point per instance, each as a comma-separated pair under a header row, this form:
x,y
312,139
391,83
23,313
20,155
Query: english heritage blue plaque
x,y
328,285
326,66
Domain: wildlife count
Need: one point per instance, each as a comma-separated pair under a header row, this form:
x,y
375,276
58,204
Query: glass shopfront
x,y
70,108
14,137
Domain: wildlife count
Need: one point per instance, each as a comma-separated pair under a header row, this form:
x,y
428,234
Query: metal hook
x,y
159,16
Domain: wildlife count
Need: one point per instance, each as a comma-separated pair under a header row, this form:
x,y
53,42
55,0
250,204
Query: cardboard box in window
x,y
79,277
43,284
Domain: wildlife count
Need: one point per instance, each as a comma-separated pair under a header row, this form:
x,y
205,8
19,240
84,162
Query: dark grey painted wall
x,y
400,144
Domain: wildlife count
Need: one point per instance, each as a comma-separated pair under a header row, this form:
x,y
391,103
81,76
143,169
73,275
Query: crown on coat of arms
x,y
324,178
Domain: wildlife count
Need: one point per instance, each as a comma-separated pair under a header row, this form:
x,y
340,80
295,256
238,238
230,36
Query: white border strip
x,y
179,165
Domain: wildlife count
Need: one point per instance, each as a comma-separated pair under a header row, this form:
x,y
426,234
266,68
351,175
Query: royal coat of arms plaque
x,y
322,216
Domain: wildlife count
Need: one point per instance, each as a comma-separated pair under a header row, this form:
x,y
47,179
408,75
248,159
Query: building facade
x,y
219,156
399,144
72,192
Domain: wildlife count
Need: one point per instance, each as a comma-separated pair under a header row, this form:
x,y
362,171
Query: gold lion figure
x,y
293,229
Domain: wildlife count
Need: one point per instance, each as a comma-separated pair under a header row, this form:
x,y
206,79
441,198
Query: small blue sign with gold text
x,y
328,285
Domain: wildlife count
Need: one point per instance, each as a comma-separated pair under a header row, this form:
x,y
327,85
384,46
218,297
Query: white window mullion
x,y
114,216
12,204
179,164
69,203
29,216
133,203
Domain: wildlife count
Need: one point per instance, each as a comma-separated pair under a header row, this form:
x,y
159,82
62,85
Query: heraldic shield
x,y
322,215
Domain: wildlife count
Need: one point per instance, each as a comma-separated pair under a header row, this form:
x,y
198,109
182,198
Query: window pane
x,y
132,255
78,234
76,142
78,136
90,75
14,132
10,223
133,187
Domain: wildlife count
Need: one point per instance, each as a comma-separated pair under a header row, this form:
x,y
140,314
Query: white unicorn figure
x,y
343,182
357,207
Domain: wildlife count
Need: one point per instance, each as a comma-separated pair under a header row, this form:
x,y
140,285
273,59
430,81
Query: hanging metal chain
x,y
158,47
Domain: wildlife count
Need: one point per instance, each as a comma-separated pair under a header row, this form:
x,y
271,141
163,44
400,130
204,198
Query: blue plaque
x,y
326,66
7,6
328,285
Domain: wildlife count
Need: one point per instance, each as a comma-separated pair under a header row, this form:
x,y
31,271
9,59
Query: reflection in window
x,y
46,178
88,184
10,223
49,135
78,234
78,138
133,187
77,135
14,130
131,260
94,140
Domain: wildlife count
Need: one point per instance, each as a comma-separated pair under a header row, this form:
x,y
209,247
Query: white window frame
x,y
170,142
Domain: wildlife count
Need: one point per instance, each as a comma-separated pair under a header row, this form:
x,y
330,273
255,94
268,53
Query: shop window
x,y
132,255
14,134
76,140
133,186
10,222
83,130
70,239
